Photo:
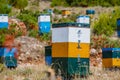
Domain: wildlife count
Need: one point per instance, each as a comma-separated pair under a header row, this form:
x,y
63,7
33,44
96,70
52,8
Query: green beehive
x,y
71,66
10,61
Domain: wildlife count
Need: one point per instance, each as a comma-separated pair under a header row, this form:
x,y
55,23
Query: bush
x,y
5,8
2,39
29,18
103,26
33,33
104,42
46,36
56,11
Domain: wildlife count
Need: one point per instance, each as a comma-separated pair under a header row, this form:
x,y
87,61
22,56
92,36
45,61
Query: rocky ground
x,y
31,50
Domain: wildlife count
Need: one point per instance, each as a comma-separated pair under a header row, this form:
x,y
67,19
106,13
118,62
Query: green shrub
x,y
2,39
57,11
29,18
33,33
45,36
1,67
5,8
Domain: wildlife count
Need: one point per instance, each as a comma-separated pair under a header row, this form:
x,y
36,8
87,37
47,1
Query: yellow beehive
x,y
66,12
111,57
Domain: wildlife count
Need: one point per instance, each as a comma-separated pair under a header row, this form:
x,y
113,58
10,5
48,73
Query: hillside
x,y
23,34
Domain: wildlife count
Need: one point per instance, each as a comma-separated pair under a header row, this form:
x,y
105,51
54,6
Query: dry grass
x,y
104,74
38,72
26,72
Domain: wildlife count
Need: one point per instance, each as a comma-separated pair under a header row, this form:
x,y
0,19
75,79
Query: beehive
x,y
70,46
9,57
90,11
44,23
66,12
48,57
118,27
1,54
111,57
83,20
3,21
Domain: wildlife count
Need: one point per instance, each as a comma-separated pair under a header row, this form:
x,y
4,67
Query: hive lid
x,y
70,24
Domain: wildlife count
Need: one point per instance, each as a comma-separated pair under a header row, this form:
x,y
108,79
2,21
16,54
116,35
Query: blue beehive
x,y
90,11
1,51
48,57
44,23
118,27
9,57
3,21
50,11
1,54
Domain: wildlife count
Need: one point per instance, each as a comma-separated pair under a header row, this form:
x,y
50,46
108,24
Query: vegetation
x,y
20,4
11,31
33,33
106,24
102,41
46,36
85,3
5,8
29,18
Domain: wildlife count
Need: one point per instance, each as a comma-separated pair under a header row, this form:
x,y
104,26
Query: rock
x,y
31,49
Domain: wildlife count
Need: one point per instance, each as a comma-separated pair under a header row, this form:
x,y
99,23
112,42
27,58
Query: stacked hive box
x,y
111,57
44,23
3,21
70,48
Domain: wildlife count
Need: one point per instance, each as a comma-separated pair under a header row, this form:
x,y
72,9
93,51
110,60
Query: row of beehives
x,y
68,12
70,50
